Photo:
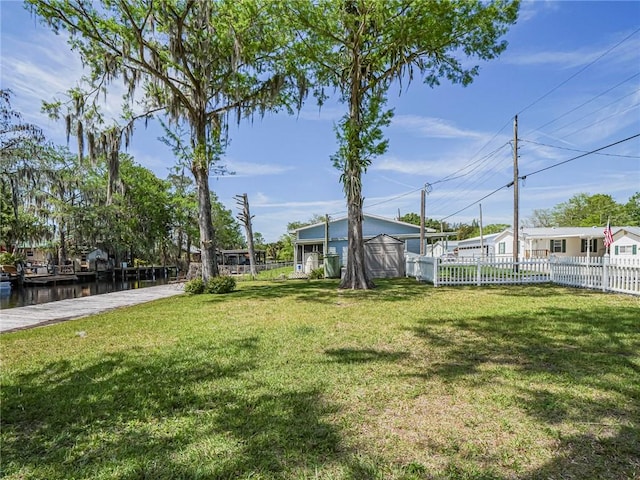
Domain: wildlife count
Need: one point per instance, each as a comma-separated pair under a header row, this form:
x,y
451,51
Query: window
x,y
502,247
591,247
558,246
626,250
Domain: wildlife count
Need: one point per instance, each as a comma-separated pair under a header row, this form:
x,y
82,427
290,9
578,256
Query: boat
x,y
9,273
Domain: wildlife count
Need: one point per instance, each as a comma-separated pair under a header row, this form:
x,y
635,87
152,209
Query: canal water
x,y
32,295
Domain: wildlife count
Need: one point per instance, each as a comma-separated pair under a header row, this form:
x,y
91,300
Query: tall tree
x,y
632,210
229,230
361,47
541,217
583,210
198,62
21,144
414,219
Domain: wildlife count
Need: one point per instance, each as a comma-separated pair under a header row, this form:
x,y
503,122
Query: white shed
x,y
384,257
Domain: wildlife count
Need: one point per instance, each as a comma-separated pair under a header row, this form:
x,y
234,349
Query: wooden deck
x,y
30,280
12,319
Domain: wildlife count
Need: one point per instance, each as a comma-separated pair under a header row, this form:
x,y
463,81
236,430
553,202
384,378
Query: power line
x,y
580,156
523,177
602,120
591,113
579,71
477,201
576,150
589,101
479,162
445,179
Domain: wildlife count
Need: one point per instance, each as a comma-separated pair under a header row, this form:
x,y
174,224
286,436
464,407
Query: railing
x,y
594,272
246,269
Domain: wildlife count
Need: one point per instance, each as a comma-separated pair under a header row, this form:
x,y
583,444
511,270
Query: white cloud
x,y
531,9
434,127
614,52
250,169
326,113
306,205
41,67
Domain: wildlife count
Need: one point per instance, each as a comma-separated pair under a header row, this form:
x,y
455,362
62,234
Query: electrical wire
x,y
601,120
580,156
588,101
578,72
477,201
523,177
576,150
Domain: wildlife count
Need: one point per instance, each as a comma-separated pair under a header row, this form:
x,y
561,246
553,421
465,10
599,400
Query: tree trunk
x,y
207,234
355,277
179,252
62,249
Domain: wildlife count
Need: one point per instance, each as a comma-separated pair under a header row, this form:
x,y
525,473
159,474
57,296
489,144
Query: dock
x,y
19,318
66,274
36,280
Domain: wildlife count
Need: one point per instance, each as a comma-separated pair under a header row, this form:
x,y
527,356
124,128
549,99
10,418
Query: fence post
x,y
436,262
605,272
479,272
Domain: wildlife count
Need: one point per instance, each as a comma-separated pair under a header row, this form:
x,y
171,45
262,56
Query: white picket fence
x,y
595,272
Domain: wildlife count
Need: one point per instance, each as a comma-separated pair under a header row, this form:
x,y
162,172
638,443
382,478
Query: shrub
x,y
7,258
317,273
194,287
222,284
138,262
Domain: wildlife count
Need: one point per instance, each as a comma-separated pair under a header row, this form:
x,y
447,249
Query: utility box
x,y
332,265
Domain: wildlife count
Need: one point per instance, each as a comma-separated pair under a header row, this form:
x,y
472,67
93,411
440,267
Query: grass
x,y
298,380
280,273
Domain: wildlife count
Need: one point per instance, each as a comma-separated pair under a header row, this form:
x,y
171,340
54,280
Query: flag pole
x,y
608,236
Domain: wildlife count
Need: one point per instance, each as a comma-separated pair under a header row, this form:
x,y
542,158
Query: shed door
x,y
384,260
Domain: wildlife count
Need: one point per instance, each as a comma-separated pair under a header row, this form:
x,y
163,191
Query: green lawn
x,y
298,380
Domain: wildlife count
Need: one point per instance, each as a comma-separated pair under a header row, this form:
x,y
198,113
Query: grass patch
x,y
281,273
295,380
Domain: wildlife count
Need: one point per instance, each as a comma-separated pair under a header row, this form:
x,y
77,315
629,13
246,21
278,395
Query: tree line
x,y
52,198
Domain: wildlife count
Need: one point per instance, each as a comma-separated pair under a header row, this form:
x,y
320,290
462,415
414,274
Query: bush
x,y
194,287
317,273
222,284
7,258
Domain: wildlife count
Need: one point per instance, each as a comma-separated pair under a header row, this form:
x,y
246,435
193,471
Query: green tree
x,y
184,210
632,210
583,210
361,47
541,218
229,231
198,63
21,147
414,219
258,240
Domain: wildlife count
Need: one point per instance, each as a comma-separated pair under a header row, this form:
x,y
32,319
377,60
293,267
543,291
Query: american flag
x,y
608,236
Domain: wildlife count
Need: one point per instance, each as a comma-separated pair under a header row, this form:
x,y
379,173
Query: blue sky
x,y
571,73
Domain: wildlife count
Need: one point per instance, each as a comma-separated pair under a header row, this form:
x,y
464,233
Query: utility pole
x,y
516,205
245,218
422,212
325,259
481,236
423,207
